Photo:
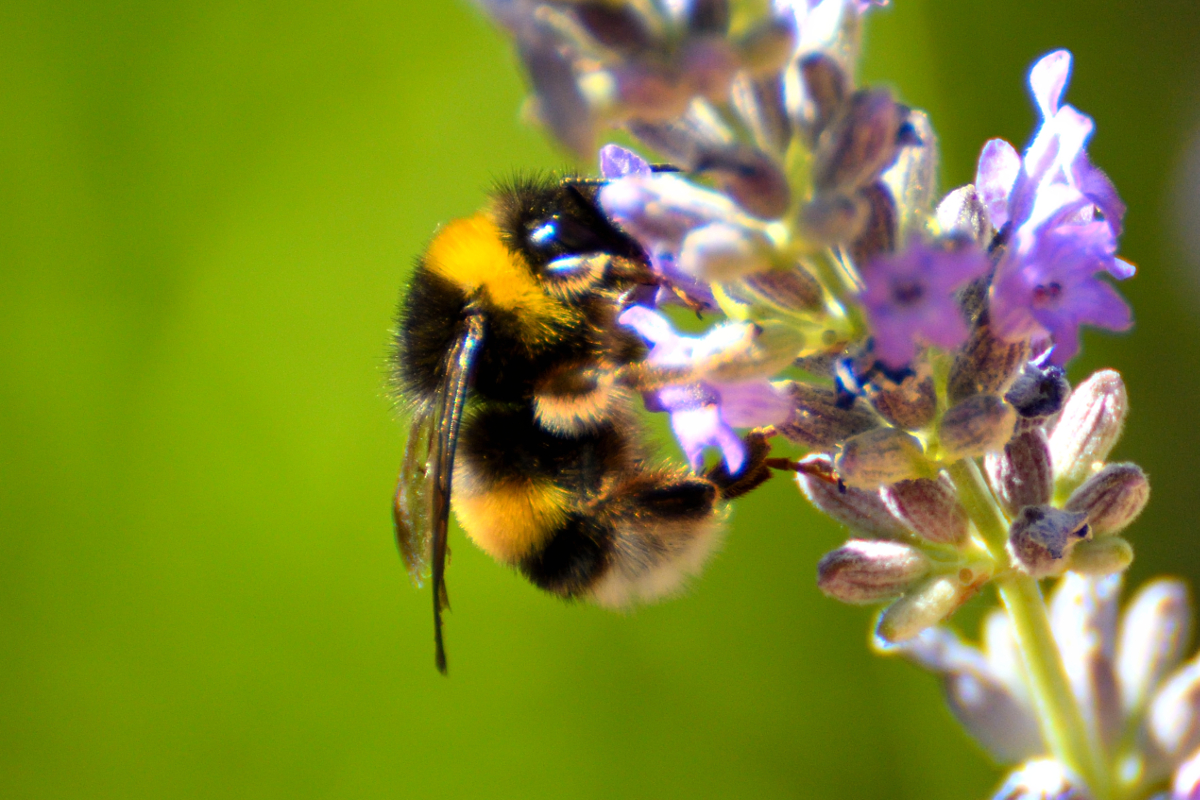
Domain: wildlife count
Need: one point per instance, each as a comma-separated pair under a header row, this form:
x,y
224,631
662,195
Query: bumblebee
x,y
509,359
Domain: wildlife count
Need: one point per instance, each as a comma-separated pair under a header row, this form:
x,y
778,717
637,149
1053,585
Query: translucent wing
x,y
421,506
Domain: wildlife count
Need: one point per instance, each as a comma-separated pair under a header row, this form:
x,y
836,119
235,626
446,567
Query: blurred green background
x,y
207,211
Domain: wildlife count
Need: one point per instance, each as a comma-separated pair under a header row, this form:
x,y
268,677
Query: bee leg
x,y
753,473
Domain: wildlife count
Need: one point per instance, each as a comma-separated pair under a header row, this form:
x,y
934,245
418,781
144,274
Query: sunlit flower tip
x,y
1083,616
963,212
1089,426
660,209
1021,475
1041,537
1043,779
1186,783
1112,498
860,510
977,425
862,572
721,252
909,298
923,607
930,507
999,720
879,457
1154,631
617,162
820,419
997,171
1039,391
1174,715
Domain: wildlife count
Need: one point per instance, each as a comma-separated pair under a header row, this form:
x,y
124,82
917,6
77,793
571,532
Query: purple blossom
x,y
909,298
704,413
1064,216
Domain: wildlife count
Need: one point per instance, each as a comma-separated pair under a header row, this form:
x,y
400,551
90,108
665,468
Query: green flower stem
x,y
1070,739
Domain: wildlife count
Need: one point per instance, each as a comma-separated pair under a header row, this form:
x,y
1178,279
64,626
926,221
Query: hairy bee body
x,y
550,471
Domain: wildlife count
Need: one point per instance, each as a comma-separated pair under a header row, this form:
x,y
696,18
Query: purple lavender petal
x,y
702,427
751,404
1092,181
999,165
1048,79
617,162
910,298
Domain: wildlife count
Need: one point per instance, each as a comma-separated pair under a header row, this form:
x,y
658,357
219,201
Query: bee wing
x,y
421,506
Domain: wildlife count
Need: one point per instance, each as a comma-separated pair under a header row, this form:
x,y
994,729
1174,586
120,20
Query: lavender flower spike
x,y
910,298
1063,215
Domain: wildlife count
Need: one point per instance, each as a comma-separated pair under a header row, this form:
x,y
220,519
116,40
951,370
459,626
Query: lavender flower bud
x,y
1186,783
720,252
561,106
984,365
1043,779
1112,498
1021,475
912,179
709,64
1174,718
820,421
859,510
1090,424
976,425
879,230
791,288
618,27
1154,631
752,178
925,606
1039,391
1083,615
766,49
1108,556
742,351
708,16
833,217
860,143
862,572
930,507
880,456
662,209
1041,537
910,404
651,93
962,212
824,85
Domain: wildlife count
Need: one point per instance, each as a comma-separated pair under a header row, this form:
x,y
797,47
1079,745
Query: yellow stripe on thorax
x,y
513,519
470,253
